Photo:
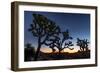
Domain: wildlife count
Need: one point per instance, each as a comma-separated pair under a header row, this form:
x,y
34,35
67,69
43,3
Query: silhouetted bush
x,y
29,52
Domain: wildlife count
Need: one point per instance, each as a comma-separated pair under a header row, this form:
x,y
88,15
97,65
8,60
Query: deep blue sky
x,y
78,24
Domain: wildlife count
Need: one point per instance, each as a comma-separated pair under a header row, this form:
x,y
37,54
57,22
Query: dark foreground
x,y
56,56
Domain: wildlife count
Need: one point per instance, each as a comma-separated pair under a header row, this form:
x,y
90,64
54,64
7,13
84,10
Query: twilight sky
x,y
78,25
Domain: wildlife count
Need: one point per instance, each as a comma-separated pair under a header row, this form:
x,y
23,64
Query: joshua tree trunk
x,y
59,53
38,50
87,48
53,50
80,48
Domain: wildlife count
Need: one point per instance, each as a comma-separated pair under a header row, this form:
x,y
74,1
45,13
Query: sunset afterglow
x,y
56,36
48,50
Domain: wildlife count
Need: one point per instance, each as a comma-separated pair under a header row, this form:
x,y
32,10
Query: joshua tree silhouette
x,y
79,43
44,29
83,44
60,42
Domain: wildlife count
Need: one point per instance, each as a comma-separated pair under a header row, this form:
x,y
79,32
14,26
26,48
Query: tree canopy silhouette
x,y
83,43
60,42
43,28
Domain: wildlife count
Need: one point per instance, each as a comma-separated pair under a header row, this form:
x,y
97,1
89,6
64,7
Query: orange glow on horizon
x,y
46,50
70,51
49,50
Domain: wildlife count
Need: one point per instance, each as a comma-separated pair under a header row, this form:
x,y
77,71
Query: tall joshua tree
x,y
42,28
